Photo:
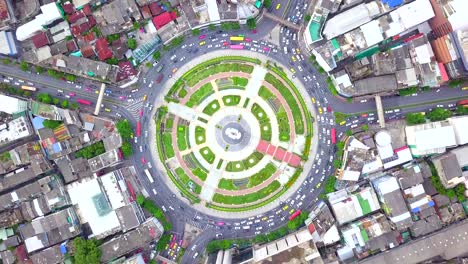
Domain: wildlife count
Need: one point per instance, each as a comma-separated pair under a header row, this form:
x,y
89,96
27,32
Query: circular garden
x,y
234,133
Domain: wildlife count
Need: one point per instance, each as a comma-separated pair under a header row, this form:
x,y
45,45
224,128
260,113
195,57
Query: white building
x,y
50,13
7,44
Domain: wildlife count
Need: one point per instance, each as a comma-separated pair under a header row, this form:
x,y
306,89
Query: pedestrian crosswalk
x,y
197,224
135,107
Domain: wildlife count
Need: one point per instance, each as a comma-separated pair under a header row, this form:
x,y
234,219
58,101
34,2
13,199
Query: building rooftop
x,y
348,207
149,231
409,176
420,137
51,255
15,129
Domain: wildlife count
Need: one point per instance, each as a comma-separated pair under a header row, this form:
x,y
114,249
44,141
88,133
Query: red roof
x,y
87,9
40,40
68,8
101,43
146,12
443,72
163,19
105,54
311,228
84,27
89,37
71,46
75,16
91,21
75,30
87,51
102,48
155,9
125,70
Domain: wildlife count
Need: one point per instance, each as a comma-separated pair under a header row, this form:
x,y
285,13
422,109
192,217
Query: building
x,y
49,14
50,230
103,205
393,204
297,247
51,255
160,20
449,169
149,231
321,225
16,129
12,105
421,141
351,206
7,44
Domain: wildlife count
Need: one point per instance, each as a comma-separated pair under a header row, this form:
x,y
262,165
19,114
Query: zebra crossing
x,y
135,107
197,224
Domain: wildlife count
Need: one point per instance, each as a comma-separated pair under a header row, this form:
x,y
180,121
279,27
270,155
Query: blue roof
x,y
431,203
63,249
37,122
415,210
56,147
392,3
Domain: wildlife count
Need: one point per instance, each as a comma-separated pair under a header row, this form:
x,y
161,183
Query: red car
x,y
143,160
202,37
365,115
248,40
329,109
225,43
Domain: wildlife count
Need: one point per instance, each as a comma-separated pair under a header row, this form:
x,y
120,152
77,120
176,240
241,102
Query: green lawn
x,y
265,94
264,121
187,182
262,175
200,136
167,144
227,184
200,173
249,162
248,198
212,108
283,125
197,97
290,100
196,77
209,155
231,100
182,134
169,123
182,93
239,81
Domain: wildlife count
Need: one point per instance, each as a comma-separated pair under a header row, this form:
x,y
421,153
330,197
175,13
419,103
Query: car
x,y
291,211
107,110
219,235
220,223
141,148
202,37
122,97
320,110
293,71
264,218
313,100
259,228
318,185
465,88
329,109
278,6
143,160
293,58
195,255
342,123
67,96
202,43
145,97
96,92
285,207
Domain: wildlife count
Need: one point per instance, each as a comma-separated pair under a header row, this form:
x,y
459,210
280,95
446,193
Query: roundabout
x,y
233,134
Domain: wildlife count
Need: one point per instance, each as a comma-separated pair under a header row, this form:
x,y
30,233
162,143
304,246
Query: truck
x,y
28,88
148,175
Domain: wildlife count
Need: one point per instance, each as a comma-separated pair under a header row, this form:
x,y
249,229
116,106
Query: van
x,y
285,50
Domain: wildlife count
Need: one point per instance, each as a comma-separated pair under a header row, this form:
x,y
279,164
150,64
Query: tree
x,y
298,221
132,44
251,23
267,3
439,114
196,32
65,104
307,18
330,184
55,101
124,129
136,25
415,118
112,38
68,38
157,55
39,69
45,98
163,242
112,61
24,66
140,199
337,163
126,148
52,124
86,251
6,61
74,105
462,110
211,27
349,132
70,77
148,64
365,127
27,93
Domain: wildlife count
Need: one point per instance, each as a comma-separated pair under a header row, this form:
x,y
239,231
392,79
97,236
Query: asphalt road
x,y
125,104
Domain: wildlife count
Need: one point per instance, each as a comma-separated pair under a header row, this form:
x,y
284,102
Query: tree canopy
x,y
52,124
251,23
415,118
126,148
439,114
86,251
124,129
132,44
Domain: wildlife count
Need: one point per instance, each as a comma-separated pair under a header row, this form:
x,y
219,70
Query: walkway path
x,y
254,84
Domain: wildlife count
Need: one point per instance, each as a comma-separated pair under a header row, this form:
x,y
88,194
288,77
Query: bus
x,y
237,38
296,214
463,102
159,68
83,102
333,135
237,47
28,88
148,174
138,129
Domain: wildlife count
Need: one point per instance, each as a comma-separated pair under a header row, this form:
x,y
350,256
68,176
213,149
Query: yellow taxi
x,y
264,218
278,6
96,91
291,211
202,43
320,110
285,207
298,51
107,110
145,97
293,71
293,58
342,123
465,88
313,100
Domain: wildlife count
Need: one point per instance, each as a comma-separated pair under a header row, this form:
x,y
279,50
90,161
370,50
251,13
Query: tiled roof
x,y
40,40
71,46
439,23
146,12
3,10
155,9
87,51
91,21
125,70
441,52
75,16
164,18
87,9
68,8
